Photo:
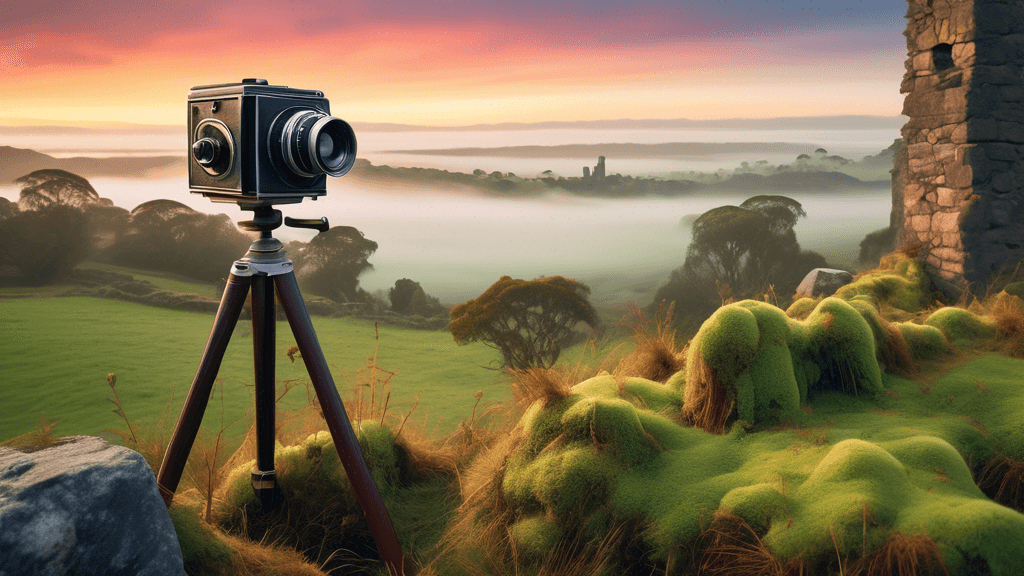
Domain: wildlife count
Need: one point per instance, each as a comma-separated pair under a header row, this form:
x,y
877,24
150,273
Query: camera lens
x,y
313,143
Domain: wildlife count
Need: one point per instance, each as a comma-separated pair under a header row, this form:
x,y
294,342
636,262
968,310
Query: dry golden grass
x,y
1003,478
706,403
901,555
655,357
732,548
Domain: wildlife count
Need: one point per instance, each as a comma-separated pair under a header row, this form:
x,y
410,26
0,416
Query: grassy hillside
x,y
867,433
56,354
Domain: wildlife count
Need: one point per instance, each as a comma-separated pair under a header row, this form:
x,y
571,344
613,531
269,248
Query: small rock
x,y
823,281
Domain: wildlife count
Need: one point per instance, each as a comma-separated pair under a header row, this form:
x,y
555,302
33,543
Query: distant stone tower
x,y
599,169
962,173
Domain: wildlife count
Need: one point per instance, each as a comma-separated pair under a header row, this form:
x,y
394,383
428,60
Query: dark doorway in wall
x,y
942,57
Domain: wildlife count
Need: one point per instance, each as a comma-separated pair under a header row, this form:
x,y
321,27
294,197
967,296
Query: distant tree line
x,y
60,220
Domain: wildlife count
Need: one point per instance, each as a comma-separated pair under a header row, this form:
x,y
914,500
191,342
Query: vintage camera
x,y
255,144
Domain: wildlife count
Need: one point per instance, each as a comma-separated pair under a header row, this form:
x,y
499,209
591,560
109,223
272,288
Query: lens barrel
x,y
314,143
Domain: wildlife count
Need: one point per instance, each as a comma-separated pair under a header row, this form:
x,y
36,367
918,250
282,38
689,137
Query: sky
x,y
456,62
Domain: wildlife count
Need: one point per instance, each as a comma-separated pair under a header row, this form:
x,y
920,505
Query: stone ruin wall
x,y
962,173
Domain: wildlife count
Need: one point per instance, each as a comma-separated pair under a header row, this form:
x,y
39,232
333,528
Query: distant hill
x,y
806,181
622,150
16,162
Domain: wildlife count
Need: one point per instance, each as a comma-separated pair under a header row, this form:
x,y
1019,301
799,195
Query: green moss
x,y
535,536
611,423
899,281
904,467
677,382
801,308
641,392
377,442
924,342
568,482
756,504
840,342
200,544
728,341
1015,289
962,327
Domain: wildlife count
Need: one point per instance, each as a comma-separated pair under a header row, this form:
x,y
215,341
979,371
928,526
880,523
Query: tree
x,y
330,264
529,322
168,235
738,252
46,244
45,187
407,297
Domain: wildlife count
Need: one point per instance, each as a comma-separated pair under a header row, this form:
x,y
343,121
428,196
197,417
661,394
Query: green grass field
x,y
55,355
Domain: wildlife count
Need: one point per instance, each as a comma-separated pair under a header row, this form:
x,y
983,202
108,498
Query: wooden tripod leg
x,y
264,329
345,442
191,416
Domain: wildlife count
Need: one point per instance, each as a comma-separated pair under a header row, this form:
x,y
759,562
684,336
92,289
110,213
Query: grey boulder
x,y
85,507
823,281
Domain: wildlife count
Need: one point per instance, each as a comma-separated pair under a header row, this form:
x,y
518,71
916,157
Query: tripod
x,y
262,268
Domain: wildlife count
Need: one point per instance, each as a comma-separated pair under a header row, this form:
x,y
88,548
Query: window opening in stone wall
x,y
942,57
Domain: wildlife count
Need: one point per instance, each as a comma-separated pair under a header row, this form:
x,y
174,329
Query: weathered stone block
x,y
945,196
959,135
1002,151
958,175
982,129
1011,132
1004,74
950,254
920,223
920,151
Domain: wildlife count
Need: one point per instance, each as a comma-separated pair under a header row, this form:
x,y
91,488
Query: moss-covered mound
x,y
899,281
751,360
849,475
962,327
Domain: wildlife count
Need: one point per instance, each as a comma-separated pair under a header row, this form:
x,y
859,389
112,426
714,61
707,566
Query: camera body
x,y
255,144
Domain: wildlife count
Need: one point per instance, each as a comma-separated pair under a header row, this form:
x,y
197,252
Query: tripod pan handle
x,y
320,224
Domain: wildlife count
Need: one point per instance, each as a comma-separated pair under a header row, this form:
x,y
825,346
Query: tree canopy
x,y
528,321
46,187
168,235
738,252
45,244
330,264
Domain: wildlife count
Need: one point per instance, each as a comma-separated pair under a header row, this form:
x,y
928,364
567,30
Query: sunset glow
x,y
455,63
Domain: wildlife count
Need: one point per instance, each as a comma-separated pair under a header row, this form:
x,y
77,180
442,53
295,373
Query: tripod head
x,y
267,249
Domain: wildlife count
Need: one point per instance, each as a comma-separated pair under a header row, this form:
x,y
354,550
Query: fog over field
x,y
456,243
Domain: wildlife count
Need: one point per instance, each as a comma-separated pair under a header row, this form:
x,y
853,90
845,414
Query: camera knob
x,y
206,151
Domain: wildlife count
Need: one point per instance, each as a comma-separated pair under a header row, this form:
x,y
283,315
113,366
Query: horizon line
x,y
877,121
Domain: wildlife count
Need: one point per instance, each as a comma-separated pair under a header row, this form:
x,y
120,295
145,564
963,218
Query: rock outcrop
x,y
84,507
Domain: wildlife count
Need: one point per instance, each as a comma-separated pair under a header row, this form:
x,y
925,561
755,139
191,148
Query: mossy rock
x,y
962,327
899,281
924,342
768,364
841,344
